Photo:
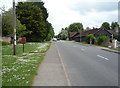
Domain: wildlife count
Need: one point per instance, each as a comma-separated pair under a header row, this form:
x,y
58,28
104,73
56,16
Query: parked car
x,y
54,39
58,39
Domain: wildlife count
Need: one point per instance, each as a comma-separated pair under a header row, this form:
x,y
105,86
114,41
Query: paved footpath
x,y
51,71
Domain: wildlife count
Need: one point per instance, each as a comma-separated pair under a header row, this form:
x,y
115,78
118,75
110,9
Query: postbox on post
x,y
23,42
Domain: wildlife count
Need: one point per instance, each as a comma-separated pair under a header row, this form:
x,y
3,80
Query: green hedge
x,y
4,43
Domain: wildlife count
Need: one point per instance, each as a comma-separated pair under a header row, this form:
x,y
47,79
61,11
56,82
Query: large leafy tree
x,y
7,27
63,35
75,27
40,4
114,25
50,34
106,26
7,24
30,14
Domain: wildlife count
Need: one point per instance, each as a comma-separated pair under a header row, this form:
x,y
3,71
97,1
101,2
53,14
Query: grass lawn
x,y
20,69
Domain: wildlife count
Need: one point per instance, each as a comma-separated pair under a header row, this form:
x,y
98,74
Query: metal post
x,y
14,27
23,47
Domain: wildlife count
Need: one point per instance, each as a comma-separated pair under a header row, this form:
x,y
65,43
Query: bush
x,y
102,40
4,43
91,36
116,36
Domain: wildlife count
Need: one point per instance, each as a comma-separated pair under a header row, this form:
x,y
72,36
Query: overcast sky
x,y
91,13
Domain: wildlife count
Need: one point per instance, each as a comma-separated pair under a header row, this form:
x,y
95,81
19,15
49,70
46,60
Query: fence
x,y
6,39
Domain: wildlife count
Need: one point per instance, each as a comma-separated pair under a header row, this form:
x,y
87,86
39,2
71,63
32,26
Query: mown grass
x,y
118,49
20,69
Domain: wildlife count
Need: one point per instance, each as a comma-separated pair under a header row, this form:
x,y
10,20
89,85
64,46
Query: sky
x,y
91,13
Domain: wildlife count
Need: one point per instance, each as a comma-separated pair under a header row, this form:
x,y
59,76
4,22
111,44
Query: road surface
x,y
88,65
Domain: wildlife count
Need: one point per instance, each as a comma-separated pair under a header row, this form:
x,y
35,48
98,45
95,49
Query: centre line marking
x,y
102,57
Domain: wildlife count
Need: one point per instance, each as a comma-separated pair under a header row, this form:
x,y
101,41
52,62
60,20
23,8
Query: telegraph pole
x,y
80,35
14,28
79,31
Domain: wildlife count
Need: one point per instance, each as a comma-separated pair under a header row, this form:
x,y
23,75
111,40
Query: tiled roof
x,y
87,32
72,33
114,32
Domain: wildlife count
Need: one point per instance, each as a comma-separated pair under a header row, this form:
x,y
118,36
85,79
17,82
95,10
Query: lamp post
x,y
14,28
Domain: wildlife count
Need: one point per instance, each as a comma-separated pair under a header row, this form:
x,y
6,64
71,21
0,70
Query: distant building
x,y
96,32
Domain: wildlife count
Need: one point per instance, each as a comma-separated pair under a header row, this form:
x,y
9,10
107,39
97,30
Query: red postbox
x,y
23,40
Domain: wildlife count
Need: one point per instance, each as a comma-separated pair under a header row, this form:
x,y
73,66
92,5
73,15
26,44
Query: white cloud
x,y
64,12
62,15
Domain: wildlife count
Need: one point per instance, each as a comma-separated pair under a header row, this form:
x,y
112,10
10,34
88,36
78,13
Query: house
x,y
116,31
77,36
72,35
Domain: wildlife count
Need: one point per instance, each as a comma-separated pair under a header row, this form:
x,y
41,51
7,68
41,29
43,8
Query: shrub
x,y
102,40
116,36
4,43
90,36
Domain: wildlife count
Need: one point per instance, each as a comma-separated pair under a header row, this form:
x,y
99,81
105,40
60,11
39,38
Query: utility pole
x,y
14,28
79,33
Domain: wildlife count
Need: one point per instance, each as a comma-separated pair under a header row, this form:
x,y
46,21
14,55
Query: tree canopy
x,y
75,27
106,26
7,24
114,25
34,16
63,35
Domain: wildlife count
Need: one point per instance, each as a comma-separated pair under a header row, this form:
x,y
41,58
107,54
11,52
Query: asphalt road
x,y
88,65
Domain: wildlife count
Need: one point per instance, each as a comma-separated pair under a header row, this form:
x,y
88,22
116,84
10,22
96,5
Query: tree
x,y
106,26
21,29
87,28
75,27
116,36
63,35
40,4
114,25
7,24
32,16
51,34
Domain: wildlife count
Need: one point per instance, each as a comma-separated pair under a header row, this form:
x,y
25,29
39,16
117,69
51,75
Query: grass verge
x,y
20,69
118,49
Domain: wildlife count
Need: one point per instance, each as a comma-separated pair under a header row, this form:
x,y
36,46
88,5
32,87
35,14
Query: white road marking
x,y
102,57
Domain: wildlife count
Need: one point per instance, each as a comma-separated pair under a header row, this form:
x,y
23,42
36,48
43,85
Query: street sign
x,y
23,40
